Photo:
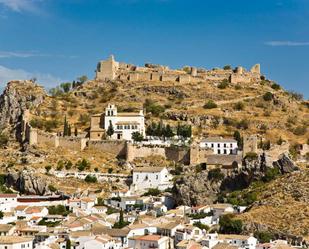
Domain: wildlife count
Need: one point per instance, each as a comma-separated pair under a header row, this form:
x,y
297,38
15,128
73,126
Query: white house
x,y
8,202
188,232
220,145
151,177
29,212
16,242
243,241
102,242
150,241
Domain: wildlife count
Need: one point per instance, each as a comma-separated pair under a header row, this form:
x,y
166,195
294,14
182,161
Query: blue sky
x,y
59,40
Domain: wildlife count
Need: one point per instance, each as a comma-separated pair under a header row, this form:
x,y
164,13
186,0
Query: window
x,y
231,145
224,145
218,145
212,145
225,152
231,151
157,177
219,151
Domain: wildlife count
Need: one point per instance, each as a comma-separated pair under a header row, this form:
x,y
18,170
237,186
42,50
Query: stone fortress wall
x,y
190,155
111,70
40,138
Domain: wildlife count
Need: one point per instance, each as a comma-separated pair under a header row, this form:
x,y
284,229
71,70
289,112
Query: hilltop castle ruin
x,y
111,70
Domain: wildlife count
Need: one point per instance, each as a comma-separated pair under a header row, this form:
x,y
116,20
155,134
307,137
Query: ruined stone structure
x,y
111,70
250,144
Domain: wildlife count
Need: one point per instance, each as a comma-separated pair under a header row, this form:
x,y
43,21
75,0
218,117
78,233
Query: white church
x,y
123,124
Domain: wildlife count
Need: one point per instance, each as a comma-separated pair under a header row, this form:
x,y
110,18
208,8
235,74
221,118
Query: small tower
x,y
107,70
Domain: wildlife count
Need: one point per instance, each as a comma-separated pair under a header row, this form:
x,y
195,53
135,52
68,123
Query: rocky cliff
x,y
198,187
26,182
16,98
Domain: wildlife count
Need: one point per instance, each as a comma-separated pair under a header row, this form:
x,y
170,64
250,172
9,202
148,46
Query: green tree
x,y
227,67
151,129
137,136
228,225
239,139
83,164
210,105
4,139
66,86
152,192
168,132
268,96
121,223
1,215
65,127
82,79
91,179
68,244
110,130
48,168
264,236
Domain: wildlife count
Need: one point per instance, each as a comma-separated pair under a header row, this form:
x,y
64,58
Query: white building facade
x,y
124,123
151,177
220,146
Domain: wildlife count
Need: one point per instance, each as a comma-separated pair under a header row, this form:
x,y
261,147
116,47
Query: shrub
x,y
296,96
264,237
154,108
275,86
137,137
223,84
201,226
52,188
251,156
300,130
4,139
58,210
91,179
68,165
229,225
110,170
239,106
227,67
152,192
210,105
82,165
215,174
48,168
271,174
268,96
243,124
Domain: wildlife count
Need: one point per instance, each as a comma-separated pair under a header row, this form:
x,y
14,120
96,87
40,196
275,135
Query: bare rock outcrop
x,y
26,182
17,97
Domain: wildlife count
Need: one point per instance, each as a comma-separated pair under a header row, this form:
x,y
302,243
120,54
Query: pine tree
x,y
69,130
110,130
68,244
65,127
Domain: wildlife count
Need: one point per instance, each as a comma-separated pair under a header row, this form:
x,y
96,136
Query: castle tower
x,y
107,70
250,144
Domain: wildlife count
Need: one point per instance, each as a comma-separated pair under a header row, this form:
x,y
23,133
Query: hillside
x,y
282,206
238,106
